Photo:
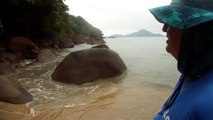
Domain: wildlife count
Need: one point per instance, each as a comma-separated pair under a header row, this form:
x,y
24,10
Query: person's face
x,y
174,38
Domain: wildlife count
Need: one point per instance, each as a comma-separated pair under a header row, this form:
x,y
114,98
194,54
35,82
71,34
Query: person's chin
x,y
167,49
171,52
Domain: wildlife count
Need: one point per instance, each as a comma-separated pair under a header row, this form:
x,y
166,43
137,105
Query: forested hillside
x,y
44,22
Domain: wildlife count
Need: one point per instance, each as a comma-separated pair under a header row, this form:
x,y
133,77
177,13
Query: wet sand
x,y
139,103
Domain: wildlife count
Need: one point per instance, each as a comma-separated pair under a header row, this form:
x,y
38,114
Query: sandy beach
x,y
127,104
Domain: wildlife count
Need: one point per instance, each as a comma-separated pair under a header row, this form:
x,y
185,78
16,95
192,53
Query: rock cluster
x,y
11,55
78,67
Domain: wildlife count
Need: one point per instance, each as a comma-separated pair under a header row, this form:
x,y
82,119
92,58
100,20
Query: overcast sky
x,y
118,16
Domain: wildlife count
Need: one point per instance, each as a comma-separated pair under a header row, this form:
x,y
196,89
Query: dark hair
x,y
196,50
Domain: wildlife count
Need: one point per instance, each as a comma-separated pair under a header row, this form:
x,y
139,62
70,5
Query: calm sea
x,y
146,59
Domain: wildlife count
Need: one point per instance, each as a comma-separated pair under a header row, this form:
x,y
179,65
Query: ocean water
x,y
146,59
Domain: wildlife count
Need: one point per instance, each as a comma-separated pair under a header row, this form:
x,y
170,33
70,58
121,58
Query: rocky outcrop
x,y
89,65
93,41
86,39
12,92
101,46
23,47
67,43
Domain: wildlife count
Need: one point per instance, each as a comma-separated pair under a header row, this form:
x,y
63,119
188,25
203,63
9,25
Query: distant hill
x,y
140,33
116,35
143,33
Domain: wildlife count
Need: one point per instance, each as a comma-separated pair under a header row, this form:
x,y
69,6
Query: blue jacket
x,y
190,100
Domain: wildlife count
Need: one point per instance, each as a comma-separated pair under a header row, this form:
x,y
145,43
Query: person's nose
x,y
165,27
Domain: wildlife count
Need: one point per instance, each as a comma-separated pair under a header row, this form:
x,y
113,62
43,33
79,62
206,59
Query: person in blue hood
x,y
189,28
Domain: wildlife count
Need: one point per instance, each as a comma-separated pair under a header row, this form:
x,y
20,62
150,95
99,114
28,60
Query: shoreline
x,y
123,104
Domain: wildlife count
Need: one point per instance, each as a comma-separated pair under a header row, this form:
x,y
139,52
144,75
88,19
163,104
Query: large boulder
x,y
8,57
23,47
8,63
12,92
45,55
6,68
89,65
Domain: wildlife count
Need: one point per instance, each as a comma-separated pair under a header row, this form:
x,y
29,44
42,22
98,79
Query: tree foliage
x,y
40,19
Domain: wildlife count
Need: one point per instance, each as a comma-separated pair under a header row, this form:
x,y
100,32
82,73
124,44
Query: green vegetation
x,y
41,20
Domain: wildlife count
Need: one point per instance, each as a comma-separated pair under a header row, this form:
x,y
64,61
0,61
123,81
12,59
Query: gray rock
x,y
8,57
12,92
6,68
89,65
8,63
45,55
68,43
23,47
